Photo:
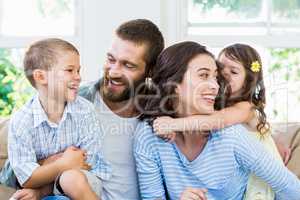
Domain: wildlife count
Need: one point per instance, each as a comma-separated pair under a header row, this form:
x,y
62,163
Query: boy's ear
x,y
40,76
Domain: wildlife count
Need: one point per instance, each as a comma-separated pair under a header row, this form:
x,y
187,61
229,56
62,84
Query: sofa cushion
x,y
6,192
285,131
294,163
289,134
3,140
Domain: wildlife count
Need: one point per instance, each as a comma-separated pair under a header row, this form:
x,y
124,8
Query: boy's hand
x,y
27,194
193,194
50,159
163,127
74,158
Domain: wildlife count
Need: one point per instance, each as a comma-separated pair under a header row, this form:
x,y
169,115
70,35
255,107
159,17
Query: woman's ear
x,y
40,76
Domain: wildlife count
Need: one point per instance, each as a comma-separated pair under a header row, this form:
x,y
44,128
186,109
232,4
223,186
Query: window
x,y
35,19
271,26
14,87
39,17
282,80
243,17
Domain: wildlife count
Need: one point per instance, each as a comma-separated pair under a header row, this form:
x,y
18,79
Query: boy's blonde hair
x,y
44,54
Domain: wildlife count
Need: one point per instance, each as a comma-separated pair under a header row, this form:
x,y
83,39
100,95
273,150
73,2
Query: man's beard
x,y
129,91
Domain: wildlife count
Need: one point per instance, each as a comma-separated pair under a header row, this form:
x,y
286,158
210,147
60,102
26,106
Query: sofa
x,y
5,192
288,133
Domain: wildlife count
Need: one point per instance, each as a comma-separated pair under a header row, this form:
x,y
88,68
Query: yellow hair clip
x,y
255,66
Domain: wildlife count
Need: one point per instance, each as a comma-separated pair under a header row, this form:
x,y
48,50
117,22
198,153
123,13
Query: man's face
x,y
124,69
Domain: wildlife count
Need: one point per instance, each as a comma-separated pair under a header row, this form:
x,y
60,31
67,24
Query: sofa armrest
x,y
3,140
6,192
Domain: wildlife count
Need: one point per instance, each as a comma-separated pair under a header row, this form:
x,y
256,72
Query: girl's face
x,y
199,87
235,74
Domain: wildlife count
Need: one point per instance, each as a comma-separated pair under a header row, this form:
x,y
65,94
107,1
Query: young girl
x,y
242,68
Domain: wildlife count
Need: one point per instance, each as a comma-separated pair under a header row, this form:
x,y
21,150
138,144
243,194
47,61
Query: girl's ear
x,y
40,76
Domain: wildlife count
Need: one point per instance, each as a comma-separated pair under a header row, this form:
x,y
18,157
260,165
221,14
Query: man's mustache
x,y
119,80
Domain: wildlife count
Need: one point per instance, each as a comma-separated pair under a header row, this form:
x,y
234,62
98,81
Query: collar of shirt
x,y
215,134
40,116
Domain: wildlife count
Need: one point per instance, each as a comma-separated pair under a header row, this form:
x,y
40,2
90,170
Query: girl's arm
x,y
239,113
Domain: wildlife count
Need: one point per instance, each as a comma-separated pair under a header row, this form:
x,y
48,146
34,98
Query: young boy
x,y
56,122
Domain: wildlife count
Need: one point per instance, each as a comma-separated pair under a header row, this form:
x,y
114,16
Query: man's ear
x,y
40,76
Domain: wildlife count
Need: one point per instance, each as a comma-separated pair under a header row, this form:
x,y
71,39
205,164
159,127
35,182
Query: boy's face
x,y
64,78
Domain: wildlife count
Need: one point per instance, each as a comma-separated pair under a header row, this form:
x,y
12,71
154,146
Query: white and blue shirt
x,y
223,167
32,137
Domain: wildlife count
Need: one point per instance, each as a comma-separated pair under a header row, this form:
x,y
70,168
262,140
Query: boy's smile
x,y
64,78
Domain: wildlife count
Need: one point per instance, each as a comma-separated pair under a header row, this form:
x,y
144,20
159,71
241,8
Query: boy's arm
x,y
50,159
71,158
24,163
238,113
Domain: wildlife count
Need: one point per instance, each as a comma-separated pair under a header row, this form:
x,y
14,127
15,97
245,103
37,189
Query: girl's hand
x,y
193,194
284,150
163,128
164,125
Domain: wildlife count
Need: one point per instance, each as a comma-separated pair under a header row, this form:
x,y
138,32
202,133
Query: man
x,y
134,49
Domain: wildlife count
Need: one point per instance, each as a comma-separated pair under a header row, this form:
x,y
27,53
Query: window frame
x,y
24,41
268,40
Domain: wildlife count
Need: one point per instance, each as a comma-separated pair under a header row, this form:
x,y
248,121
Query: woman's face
x,y
199,87
235,74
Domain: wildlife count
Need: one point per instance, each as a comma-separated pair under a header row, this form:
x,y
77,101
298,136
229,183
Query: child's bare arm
x,y
43,175
50,159
238,113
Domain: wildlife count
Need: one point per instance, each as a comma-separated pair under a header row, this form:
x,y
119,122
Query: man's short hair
x,y
44,54
142,31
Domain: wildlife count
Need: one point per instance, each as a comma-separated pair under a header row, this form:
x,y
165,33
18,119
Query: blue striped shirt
x,y
223,167
32,137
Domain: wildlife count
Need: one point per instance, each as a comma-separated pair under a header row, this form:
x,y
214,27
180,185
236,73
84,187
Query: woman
x,y
203,165
242,68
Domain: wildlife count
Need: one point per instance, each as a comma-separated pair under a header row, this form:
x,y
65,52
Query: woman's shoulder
x,y
144,131
144,136
235,131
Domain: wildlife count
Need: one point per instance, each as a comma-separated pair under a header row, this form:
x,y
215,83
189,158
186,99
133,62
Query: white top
x,y
118,151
